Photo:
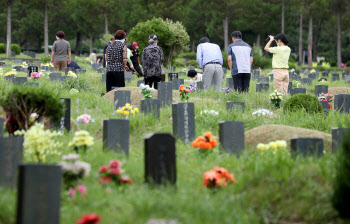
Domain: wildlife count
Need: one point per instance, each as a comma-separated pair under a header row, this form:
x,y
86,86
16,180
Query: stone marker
x,y
335,77
325,74
231,137
65,78
325,107
160,159
224,70
50,69
231,105
312,75
307,146
19,80
24,70
11,155
262,87
177,83
306,81
9,78
35,84
17,68
263,79
69,69
104,77
346,78
128,76
39,194
342,103
2,63
139,82
55,76
298,91
271,77
94,66
290,86
46,68
191,68
172,76
116,135
229,83
101,70
184,121
165,93
64,123
32,69
200,85
1,127
337,138
123,97
296,77
321,89
151,106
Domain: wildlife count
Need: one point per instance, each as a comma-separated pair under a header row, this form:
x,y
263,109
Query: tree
x,y
8,33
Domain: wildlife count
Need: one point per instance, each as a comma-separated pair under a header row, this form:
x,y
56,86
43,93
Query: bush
x,y
16,48
189,55
341,196
76,83
292,65
19,102
306,102
178,63
260,61
347,63
224,59
333,63
2,48
192,63
44,59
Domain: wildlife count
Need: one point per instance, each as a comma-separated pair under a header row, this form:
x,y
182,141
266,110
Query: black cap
x,y
153,37
204,40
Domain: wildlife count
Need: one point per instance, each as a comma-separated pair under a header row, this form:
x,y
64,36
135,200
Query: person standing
x,y
136,58
116,61
209,58
93,57
240,60
280,59
60,49
152,60
105,49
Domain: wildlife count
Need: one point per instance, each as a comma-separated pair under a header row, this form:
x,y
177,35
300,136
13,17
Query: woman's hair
x,y
282,37
60,34
151,41
119,35
191,73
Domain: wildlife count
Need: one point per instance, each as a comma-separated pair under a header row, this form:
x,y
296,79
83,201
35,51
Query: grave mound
x,y
269,133
339,90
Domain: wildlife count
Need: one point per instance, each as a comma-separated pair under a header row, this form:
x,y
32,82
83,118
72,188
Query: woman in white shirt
x,y
194,76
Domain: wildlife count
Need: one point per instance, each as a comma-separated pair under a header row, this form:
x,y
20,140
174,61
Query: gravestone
x,y
173,68
1,127
121,97
346,78
335,77
88,62
46,68
290,86
342,103
165,93
312,75
116,135
307,146
17,68
337,138
191,68
2,63
231,105
160,159
271,77
139,82
263,79
101,70
50,69
298,91
11,155
55,76
325,74
262,87
64,123
321,89
69,69
65,77
39,194
19,80
229,83
172,76
128,76
296,77
176,83
200,85
35,84
79,71
24,70
306,81
151,106
299,63
94,66
325,107
104,77
9,78
32,69
184,121
224,70
231,137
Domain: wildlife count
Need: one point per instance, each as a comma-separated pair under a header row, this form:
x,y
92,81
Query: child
x,y
194,76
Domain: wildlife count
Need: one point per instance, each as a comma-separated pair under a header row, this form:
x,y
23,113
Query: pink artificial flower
x,y
82,189
115,164
330,106
115,171
35,75
343,65
103,169
105,180
72,192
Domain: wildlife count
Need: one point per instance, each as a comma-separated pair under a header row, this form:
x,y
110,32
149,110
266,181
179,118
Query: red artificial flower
x,y
90,218
115,164
125,180
115,171
105,180
330,106
103,169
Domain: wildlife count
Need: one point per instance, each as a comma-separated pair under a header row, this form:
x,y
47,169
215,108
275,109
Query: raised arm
x,y
269,43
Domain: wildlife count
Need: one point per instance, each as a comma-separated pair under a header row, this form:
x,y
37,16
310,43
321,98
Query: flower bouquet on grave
x,y
73,170
81,141
77,192
89,218
113,173
209,112
327,97
73,91
205,143
192,87
127,110
217,177
85,119
72,74
323,81
184,93
146,91
35,75
296,84
11,73
227,90
24,65
272,146
43,73
276,98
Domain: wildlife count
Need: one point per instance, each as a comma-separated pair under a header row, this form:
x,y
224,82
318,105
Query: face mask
x,y
123,40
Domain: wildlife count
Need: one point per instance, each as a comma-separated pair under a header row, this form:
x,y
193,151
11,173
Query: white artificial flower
x,y
71,156
262,112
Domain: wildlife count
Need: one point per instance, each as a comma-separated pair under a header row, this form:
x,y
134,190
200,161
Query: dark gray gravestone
x,y
69,69
177,83
64,123
24,70
325,107
321,89
200,85
172,76
224,70
11,155
50,69
184,121
32,69
55,76
337,138
40,184
17,68
191,68
229,83
263,79
104,77
342,103
262,87
9,78
94,66
1,127
271,77
2,63
306,81
151,106
13,54
290,86
101,70
325,74
139,82
165,93
335,77
128,76
46,68
231,105
307,146
231,136
35,84
298,91
160,159
346,78
116,135
79,71
296,77
65,78
19,80
312,75
88,63
121,97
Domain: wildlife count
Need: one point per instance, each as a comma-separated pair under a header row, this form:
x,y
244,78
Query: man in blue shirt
x,y
73,64
240,60
209,58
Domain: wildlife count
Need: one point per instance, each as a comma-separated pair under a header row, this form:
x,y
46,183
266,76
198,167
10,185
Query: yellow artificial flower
x,y
273,94
124,108
280,97
128,104
119,112
132,112
126,112
272,145
130,108
260,147
281,144
136,109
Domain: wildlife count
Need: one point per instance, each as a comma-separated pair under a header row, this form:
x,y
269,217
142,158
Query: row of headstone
x,y
342,103
260,87
29,53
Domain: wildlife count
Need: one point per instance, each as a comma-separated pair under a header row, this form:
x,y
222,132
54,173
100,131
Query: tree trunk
x,y
8,36
225,22
309,49
46,30
91,44
77,43
193,46
301,39
258,40
106,25
339,38
315,44
282,22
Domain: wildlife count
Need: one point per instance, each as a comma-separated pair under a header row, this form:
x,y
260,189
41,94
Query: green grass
x,y
270,188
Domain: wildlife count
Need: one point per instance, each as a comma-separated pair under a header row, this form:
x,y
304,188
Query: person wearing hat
x,y
152,60
135,58
209,58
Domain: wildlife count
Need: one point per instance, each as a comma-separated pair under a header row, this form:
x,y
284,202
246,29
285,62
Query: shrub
x,y
178,63
44,59
224,59
2,48
333,63
347,63
189,55
341,196
306,102
260,61
20,102
292,65
16,48
76,83
192,63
